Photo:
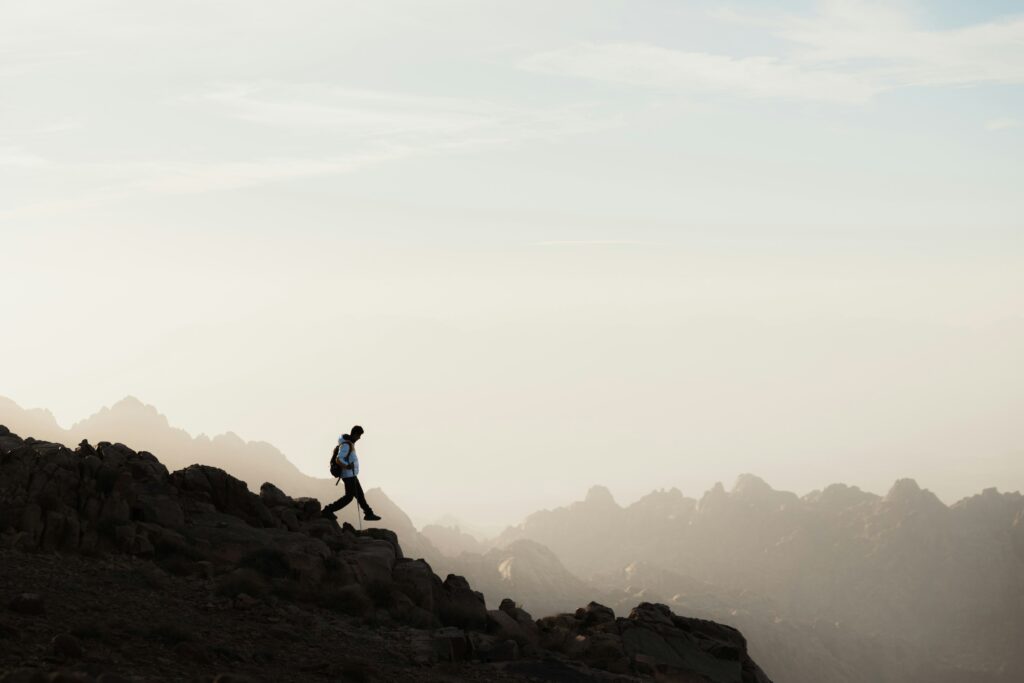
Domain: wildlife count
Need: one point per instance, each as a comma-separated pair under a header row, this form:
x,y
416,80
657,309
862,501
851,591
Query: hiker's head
x,y
356,432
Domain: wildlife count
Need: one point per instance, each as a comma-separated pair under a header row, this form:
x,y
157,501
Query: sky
x,y
529,246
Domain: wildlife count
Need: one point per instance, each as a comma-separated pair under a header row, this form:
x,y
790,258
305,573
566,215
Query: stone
x,y
459,605
273,496
245,601
25,676
451,645
504,627
595,613
108,677
487,648
28,604
415,579
66,646
159,509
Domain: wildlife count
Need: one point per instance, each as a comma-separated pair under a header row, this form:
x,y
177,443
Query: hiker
x,y
345,464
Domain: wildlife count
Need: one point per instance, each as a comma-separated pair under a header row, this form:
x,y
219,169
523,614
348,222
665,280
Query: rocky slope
x,y
254,462
113,568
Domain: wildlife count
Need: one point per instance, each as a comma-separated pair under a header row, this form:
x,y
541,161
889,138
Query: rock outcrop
x,y
653,641
201,522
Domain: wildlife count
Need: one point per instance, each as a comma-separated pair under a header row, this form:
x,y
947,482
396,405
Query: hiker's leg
x,y
360,496
347,498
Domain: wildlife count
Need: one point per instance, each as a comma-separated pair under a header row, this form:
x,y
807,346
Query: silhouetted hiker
x,y
345,464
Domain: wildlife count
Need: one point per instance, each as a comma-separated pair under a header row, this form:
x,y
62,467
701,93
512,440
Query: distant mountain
x,y
254,462
529,572
451,540
931,592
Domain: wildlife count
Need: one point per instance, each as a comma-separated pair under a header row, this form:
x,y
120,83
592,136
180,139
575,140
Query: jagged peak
x,y
229,438
903,489
43,414
712,497
129,406
907,492
599,495
840,496
747,484
671,494
132,402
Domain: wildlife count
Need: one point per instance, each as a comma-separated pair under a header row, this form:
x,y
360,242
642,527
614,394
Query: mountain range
x,y
835,586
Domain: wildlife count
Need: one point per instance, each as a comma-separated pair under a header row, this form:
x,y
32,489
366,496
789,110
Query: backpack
x,y
336,467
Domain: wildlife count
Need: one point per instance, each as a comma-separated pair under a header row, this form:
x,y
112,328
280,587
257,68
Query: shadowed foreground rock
x,y
112,566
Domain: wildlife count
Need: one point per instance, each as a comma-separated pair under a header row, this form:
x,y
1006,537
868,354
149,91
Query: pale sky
x,y
530,246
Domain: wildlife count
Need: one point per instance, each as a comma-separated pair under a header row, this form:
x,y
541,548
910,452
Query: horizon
x,y
483,531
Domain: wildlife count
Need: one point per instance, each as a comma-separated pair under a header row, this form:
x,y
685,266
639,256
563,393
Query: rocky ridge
x,y
201,547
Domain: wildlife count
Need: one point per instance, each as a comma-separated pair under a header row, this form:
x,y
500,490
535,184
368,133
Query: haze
x,y
530,247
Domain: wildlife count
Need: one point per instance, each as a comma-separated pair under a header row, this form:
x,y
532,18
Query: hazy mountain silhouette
x,y
529,572
452,541
892,588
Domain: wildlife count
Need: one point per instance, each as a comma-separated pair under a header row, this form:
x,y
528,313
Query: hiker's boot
x,y
371,517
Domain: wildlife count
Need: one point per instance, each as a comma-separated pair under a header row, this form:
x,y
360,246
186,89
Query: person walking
x,y
346,466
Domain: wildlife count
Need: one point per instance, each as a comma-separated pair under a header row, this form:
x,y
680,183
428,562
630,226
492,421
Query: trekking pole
x,y
337,480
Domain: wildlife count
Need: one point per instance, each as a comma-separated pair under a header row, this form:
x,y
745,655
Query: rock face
x,y
200,522
653,641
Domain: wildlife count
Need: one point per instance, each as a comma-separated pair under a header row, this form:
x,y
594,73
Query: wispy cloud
x,y
413,121
326,130
1003,123
849,52
596,243
15,157
659,67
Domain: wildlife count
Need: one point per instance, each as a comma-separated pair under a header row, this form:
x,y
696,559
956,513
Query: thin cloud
x,y
1003,123
597,243
848,53
663,68
15,157
348,130
368,115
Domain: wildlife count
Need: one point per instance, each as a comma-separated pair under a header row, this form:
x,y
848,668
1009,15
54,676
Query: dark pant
x,y
353,489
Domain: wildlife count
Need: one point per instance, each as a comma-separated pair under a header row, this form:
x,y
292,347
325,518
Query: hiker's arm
x,y
345,455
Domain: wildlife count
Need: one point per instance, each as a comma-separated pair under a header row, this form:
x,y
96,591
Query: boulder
x,y
461,606
489,648
28,604
227,494
66,646
159,509
273,496
451,645
416,580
